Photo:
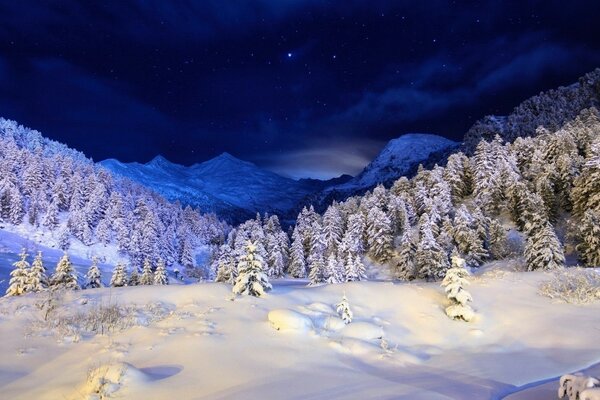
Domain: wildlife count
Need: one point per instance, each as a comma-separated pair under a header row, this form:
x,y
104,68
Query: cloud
x,y
323,159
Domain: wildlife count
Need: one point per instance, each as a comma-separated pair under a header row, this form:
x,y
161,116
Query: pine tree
x,y
64,238
355,269
37,280
119,276
332,229
344,311
251,279
147,274
93,276
19,276
317,270
589,231
297,268
64,276
160,275
50,219
379,235
543,250
134,277
468,241
226,265
332,270
431,260
405,263
454,284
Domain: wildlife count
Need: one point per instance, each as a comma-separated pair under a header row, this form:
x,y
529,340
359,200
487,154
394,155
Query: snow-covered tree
x,y
93,276
317,270
37,280
64,240
147,277
431,260
589,231
160,275
64,275
344,311
355,269
251,278
332,229
405,263
379,235
134,277
19,276
333,272
119,276
454,284
467,240
543,249
226,265
297,268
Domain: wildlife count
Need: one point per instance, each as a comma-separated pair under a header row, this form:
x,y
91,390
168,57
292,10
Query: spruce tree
x,y
251,278
317,270
147,277
344,311
589,232
543,250
134,277
405,263
37,280
454,284
19,276
297,268
160,275
355,269
379,235
226,265
332,270
119,276
64,275
93,276
431,260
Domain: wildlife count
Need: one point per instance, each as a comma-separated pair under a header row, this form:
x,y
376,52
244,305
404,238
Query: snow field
x,y
192,341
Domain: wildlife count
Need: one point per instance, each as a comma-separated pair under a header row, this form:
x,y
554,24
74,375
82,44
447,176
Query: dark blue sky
x,y
306,88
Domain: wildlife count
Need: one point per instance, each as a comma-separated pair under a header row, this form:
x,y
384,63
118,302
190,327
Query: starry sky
x,y
305,88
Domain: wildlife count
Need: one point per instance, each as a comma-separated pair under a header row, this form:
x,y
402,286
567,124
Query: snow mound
x,y
289,320
578,386
108,381
362,331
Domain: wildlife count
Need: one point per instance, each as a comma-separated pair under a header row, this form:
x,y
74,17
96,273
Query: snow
x,y
226,185
289,320
196,341
396,160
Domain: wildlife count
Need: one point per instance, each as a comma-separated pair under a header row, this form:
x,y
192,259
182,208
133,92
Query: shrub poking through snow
x,y
578,387
573,285
251,278
343,309
454,284
18,276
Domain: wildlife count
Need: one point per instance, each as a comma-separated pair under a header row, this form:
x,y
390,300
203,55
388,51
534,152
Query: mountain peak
x,y
159,160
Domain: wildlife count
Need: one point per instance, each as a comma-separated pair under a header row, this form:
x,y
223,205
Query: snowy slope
x,y
193,342
226,185
397,158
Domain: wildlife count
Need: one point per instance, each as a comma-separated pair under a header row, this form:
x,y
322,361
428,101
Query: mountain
x,y
232,188
236,190
400,157
550,109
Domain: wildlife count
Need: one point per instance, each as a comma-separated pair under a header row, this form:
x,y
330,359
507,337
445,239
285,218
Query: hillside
x,y
232,188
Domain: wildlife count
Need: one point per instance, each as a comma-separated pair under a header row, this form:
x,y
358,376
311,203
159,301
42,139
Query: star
x,y
289,55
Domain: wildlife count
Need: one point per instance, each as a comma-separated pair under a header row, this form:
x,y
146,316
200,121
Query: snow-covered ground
x,y
193,341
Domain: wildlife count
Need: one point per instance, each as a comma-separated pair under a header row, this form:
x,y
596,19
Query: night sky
x,y
305,88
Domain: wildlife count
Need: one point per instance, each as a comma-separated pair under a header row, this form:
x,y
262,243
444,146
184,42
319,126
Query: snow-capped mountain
x,y
400,157
397,159
235,189
230,187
